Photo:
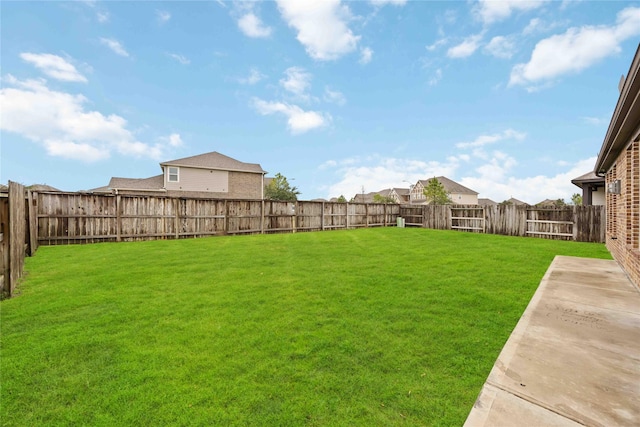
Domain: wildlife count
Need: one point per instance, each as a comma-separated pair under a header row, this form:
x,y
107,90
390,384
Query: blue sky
x,y
510,98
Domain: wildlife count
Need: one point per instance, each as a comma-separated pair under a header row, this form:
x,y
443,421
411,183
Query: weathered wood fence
x,y
579,223
51,218
65,218
17,235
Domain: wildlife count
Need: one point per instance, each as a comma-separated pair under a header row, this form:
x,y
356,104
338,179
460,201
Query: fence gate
x,y
468,219
413,215
551,223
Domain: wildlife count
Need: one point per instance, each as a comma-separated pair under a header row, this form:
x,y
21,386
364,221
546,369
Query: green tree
x,y
342,199
378,198
506,203
559,203
576,199
279,189
435,193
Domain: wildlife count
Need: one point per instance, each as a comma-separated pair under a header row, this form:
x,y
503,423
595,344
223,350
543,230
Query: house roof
x,y
624,123
589,178
215,160
516,202
486,202
369,197
148,184
450,186
402,191
547,202
41,187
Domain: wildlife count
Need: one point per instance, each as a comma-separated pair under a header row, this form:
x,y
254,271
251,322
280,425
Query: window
x,y
173,174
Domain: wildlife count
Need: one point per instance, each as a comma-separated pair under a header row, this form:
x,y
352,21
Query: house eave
x,y
159,190
624,122
162,165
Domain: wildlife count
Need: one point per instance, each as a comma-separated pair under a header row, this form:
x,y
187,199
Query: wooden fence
x,y
579,223
17,235
51,218
65,218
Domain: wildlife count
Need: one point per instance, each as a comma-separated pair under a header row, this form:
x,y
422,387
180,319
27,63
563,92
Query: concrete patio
x,y
574,357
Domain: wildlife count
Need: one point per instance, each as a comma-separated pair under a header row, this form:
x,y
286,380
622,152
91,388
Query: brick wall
x,y
623,212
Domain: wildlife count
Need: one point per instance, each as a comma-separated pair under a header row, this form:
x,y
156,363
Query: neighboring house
x,y
515,202
459,194
619,163
548,203
592,187
486,202
209,175
399,195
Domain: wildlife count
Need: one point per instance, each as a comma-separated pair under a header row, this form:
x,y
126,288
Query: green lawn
x,y
362,327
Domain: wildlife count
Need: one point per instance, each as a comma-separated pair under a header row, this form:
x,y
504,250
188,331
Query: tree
x,y
559,203
279,189
435,193
378,198
342,199
576,199
506,203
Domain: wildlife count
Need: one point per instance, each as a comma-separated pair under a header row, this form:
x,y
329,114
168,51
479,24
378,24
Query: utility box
x,y
400,222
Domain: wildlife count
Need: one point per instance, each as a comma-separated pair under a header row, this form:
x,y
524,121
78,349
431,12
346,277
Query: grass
x,y
363,327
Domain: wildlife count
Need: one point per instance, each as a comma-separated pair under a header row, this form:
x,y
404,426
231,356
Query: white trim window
x,y
173,174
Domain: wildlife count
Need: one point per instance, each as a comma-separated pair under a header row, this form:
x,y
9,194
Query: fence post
x,y
347,216
226,216
294,217
176,218
322,218
366,215
118,220
575,227
17,229
262,217
33,224
384,215
424,216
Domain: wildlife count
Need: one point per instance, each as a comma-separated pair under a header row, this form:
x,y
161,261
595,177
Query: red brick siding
x,y
623,212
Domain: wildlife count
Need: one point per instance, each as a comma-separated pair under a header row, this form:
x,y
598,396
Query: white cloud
x,y
490,11
59,122
436,44
328,165
501,47
254,77
103,16
180,58
54,66
322,27
366,54
252,26
297,81
175,140
298,120
493,178
163,16
334,96
537,26
385,2
376,173
494,181
435,79
595,120
576,49
466,48
115,46
483,140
